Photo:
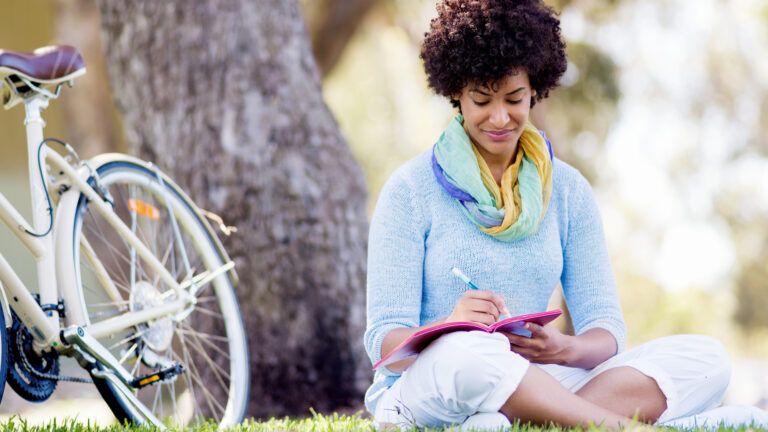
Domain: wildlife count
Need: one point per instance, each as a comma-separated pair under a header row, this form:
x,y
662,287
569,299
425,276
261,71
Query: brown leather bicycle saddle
x,y
47,64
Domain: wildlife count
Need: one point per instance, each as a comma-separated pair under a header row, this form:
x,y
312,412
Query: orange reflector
x,y
143,209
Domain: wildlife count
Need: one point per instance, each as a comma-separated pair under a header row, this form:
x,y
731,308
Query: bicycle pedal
x,y
161,375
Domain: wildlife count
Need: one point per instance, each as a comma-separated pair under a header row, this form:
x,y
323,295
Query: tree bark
x,y
332,23
226,97
89,112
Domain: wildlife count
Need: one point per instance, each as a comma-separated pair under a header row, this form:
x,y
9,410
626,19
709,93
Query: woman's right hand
x,y
482,307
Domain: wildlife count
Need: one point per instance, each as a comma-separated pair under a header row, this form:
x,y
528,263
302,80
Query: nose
x,y
499,117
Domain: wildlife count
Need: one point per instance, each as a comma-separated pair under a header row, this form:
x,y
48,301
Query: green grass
x,y
316,423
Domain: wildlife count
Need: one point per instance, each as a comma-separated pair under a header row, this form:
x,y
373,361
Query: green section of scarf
x,y
508,212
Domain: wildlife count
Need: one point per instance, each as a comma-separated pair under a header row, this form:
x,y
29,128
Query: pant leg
x,y
458,375
693,372
733,416
568,377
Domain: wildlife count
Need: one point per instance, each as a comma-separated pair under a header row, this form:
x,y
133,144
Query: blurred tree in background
x,y
226,98
332,23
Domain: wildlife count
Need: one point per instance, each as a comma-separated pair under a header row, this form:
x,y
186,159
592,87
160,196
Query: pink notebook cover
x,y
412,346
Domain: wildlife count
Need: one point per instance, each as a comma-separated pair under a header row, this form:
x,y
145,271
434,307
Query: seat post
x,y
34,124
40,217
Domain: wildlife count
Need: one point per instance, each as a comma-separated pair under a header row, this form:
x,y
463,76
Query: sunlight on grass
x,y
315,423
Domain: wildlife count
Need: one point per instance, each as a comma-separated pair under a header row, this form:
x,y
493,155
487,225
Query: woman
x,y
491,199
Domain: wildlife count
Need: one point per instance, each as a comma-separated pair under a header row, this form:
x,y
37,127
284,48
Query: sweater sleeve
x,y
395,264
589,286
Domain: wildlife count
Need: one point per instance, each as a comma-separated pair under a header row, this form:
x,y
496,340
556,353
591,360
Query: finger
x,y
536,330
483,318
488,296
520,341
500,304
483,306
479,294
526,353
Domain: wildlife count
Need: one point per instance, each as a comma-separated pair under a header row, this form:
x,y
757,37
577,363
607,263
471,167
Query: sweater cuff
x,y
378,341
618,332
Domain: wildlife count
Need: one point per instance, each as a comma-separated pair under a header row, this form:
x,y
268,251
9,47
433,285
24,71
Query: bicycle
x,y
133,282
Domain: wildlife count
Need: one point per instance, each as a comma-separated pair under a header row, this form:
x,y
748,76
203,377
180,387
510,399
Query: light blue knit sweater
x,y
418,233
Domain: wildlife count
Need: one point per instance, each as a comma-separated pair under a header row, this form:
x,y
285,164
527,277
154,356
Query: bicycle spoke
x,y
157,394
128,353
162,409
193,373
208,312
218,370
203,334
215,347
163,262
137,367
168,226
186,361
129,338
115,253
175,411
209,398
206,299
117,284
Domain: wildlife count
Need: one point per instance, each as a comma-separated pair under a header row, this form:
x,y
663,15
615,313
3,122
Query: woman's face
x,y
495,117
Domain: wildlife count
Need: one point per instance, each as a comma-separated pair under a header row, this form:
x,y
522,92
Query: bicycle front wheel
x,y
208,339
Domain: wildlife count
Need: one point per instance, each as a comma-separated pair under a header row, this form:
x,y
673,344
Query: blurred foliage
x,y
752,307
579,116
378,93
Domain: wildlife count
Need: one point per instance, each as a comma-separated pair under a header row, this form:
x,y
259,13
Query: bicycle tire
x,y
3,353
222,347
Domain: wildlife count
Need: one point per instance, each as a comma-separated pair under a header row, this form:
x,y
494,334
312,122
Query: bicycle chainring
x,y
28,371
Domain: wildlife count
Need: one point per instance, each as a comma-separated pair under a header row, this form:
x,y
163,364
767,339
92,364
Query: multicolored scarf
x,y
512,211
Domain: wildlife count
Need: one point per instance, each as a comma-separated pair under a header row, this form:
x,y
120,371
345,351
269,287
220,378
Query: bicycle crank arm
x,y
139,409
91,354
77,336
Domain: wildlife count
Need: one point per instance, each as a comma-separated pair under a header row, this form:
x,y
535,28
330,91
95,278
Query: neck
x,y
497,163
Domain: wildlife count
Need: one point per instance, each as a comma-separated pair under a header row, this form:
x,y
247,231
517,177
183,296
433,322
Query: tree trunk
x,y
226,97
332,23
89,112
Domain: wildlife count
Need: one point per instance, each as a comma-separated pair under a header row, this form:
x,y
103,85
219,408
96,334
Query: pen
x,y
459,274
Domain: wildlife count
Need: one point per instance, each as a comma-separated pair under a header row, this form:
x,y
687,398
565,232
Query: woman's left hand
x,y
546,344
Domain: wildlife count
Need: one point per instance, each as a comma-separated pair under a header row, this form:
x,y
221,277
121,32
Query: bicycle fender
x,y
105,158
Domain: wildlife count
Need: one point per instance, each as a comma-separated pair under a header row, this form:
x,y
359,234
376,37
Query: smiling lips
x,y
499,135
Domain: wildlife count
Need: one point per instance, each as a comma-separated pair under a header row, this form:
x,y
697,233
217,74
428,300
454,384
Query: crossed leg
x,y
628,392
540,399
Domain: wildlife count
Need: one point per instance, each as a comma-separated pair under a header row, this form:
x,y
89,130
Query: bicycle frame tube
x,y
26,307
96,202
41,218
105,211
45,326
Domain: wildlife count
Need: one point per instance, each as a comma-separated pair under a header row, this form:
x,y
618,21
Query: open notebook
x,y
415,343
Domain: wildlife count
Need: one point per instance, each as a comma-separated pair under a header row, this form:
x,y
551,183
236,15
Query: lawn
x,y
316,423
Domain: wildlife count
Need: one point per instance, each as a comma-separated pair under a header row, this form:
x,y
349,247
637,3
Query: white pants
x,y
466,373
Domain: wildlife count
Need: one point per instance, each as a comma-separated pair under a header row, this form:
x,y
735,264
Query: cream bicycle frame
x,y
52,278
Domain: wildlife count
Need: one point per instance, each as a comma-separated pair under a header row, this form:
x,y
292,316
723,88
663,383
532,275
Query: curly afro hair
x,y
484,41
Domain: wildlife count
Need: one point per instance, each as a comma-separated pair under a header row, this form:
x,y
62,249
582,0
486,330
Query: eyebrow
x,y
477,90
